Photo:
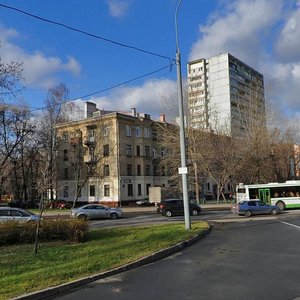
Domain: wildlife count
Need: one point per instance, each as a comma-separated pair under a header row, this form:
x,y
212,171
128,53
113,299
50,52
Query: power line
x,y
85,32
103,90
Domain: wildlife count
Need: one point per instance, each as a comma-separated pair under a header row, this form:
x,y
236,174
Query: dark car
x,y
248,208
172,207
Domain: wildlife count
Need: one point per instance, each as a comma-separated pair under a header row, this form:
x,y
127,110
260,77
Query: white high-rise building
x,y
225,94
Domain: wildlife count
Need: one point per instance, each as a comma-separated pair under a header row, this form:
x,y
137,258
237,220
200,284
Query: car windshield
x,y
27,212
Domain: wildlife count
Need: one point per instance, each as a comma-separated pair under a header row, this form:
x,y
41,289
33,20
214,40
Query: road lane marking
x,y
290,224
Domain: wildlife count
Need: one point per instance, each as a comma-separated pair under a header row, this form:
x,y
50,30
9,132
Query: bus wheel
x,y
280,205
248,213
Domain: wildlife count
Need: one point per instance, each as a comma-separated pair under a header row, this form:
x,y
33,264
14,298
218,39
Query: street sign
x,y
183,170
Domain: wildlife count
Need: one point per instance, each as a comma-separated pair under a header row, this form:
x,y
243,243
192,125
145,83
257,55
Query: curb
x,y
55,291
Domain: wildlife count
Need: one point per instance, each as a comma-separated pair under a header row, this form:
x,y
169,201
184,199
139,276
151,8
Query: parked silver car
x,y
17,214
96,211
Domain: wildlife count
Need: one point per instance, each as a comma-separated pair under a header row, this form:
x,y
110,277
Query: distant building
x,y
109,157
225,93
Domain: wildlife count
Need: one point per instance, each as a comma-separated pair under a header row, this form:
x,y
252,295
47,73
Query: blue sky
x,y
263,33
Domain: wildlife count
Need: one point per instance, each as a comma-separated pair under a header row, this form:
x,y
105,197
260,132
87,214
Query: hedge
x,y
50,230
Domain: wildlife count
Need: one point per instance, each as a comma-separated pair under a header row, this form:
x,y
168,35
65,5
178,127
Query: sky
x,y
265,34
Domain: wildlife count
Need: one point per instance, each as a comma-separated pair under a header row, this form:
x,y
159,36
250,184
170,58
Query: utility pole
x,y
183,170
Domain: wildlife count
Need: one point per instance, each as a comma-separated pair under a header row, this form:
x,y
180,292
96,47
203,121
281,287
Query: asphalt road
x,y
255,259
210,216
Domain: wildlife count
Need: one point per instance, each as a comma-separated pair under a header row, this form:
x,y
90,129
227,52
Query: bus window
x,y
253,193
243,191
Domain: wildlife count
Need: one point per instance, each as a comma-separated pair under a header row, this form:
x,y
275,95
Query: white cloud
x,y
38,69
288,44
118,8
153,97
248,29
239,30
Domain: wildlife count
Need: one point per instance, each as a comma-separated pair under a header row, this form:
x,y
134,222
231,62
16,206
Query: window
x,y
4,212
16,213
147,170
66,173
91,135
106,170
92,191
65,154
138,131
138,170
148,185
147,132
105,130
65,137
128,130
138,150
128,150
139,189
208,187
130,189
106,190
154,153
163,171
154,137
106,150
66,194
162,152
147,150
129,170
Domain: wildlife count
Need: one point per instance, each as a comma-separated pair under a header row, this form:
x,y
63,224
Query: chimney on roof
x,y
133,112
89,109
162,118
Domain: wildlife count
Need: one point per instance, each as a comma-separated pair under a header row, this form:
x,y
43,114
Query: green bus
x,y
283,195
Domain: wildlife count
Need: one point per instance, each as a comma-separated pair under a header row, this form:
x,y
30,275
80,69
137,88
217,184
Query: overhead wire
x,y
172,61
85,32
100,91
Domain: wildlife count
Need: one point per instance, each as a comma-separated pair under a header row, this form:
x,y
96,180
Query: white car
x,y
17,214
96,211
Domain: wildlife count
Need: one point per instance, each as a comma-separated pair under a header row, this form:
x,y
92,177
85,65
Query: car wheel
x,y
82,217
248,213
113,216
195,212
168,213
273,212
280,205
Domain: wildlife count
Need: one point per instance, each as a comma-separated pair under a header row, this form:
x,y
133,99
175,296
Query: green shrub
x,y
50,230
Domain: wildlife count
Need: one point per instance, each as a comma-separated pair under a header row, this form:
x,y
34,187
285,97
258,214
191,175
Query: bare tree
x,y
53,115
15,127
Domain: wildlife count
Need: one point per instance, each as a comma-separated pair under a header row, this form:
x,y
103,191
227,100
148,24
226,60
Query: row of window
x,y
106,190
147,171
139,130
106,151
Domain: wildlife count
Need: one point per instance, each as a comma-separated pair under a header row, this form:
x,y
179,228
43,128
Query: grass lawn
x,y
56,263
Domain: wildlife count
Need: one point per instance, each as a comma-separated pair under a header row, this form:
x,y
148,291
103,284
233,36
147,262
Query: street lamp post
x,y
183,169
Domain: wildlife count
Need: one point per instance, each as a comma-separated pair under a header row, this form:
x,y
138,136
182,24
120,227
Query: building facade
x,y
109,157
225,95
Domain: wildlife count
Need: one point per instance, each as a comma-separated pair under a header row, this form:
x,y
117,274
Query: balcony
x,y
90,159
89,141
